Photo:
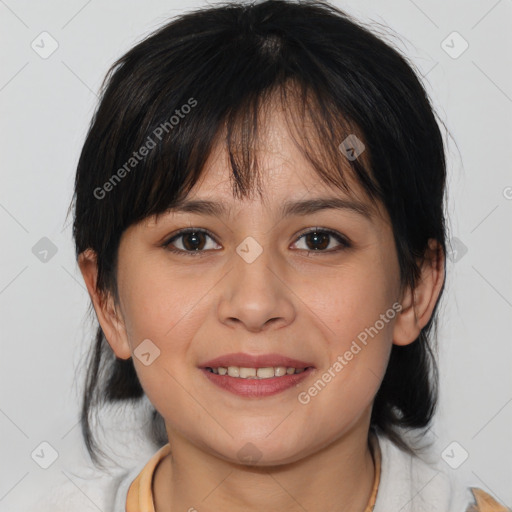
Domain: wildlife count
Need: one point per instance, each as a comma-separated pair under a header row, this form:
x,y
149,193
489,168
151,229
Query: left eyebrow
x,y
287,209
309,206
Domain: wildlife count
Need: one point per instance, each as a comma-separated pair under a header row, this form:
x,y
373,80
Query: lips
x,y
256,387
245,360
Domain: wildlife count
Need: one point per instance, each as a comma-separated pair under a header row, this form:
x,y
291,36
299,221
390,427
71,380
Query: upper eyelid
x,y
330,231
185,231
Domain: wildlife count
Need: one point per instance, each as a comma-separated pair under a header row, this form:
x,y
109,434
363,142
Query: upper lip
x,y
244,360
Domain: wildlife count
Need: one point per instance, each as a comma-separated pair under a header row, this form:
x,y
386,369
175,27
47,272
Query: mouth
x,y
256,376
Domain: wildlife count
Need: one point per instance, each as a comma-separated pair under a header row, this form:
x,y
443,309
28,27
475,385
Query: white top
x,y
407,484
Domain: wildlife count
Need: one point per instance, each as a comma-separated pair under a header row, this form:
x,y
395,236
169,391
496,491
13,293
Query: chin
x,y
261,452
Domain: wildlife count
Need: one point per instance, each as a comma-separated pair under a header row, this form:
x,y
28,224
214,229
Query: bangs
x,y
317,129
181,127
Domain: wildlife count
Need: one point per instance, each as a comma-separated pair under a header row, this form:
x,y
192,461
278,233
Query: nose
x,y
255,294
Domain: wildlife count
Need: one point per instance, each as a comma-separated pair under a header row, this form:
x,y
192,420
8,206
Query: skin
x,y
314,456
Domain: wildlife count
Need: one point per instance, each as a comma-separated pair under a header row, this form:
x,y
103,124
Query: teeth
x,y
233,371
255,373
245,372
268,373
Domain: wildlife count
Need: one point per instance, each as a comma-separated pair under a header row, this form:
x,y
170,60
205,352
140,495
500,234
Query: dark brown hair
x,y
225,62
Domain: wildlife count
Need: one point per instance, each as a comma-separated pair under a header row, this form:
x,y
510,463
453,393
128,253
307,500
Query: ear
x,y
418,304
109,318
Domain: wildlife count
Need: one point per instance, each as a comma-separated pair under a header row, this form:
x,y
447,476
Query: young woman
x,y
259,223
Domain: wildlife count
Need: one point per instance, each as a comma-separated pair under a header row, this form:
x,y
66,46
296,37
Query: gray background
x,y
46,105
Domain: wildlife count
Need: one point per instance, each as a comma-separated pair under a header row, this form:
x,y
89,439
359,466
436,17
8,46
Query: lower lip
x,y
256,388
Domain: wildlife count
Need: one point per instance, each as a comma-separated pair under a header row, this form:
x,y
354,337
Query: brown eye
x,y
191,241
319,240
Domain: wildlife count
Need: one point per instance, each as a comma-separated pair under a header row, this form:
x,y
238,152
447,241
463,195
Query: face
x,y
320,287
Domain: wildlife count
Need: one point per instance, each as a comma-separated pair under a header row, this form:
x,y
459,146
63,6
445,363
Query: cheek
x,y
355,308
166,310
156,302
352,298
357,329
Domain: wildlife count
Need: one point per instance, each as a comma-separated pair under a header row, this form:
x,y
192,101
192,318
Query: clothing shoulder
x,y
81,487
121,492
485,503
421,483
78,490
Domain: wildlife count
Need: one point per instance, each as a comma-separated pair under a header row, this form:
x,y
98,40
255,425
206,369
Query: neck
x,y
338,477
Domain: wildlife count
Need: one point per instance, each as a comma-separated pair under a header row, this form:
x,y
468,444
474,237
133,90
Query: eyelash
x,y
345,244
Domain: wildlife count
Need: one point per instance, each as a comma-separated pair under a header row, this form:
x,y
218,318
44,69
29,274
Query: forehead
x,y
282,174
287,182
